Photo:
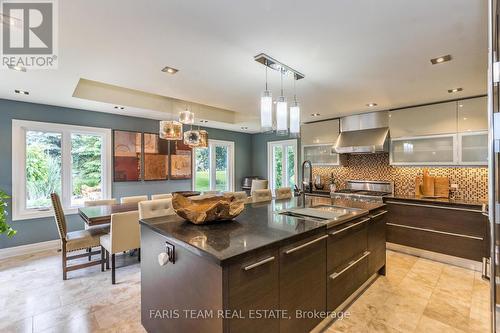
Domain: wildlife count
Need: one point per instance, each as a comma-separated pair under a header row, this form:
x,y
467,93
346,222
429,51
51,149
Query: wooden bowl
x,y
217,208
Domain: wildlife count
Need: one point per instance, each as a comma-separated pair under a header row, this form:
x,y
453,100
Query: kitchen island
x,y
262,272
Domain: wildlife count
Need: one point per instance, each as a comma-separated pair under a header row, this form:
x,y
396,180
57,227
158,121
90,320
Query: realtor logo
x,y
29,34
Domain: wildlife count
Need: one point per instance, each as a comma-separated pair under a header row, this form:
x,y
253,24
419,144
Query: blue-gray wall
x,y
43,229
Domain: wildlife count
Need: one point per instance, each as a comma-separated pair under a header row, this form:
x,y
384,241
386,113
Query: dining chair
x,y
155,208
104,202
161,196
258,184
76,240
283,193
135,199
239,195
124,235
262,195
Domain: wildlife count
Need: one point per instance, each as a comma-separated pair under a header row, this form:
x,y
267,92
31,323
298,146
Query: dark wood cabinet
x,y
376,242
253,285
346,242
344,281
302,282
459,231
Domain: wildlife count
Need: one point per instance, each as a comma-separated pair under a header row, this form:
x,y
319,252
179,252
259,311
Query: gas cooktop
x,y
365,190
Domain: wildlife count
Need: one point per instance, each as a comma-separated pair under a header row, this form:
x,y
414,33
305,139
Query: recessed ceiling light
x,y
203,121
244,127
315,114
169,70
440,60
460,105
454,90
370,105
17,68
119,107
22,92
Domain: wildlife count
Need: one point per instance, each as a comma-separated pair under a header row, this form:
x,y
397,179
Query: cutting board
x,y
427,185
442,187
418,186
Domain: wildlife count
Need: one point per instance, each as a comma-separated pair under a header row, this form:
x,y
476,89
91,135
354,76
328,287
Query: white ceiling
x,y
352,52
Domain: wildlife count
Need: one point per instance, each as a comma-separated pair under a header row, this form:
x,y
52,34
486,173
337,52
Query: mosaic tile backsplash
x,y
472,181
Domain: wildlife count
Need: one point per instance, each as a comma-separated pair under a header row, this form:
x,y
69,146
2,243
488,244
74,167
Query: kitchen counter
x,y
257,227
444,201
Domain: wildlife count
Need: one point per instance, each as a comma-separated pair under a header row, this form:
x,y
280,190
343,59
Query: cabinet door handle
x,y
432,206
306,244
258,263
435,231
347,228
337,274
377,215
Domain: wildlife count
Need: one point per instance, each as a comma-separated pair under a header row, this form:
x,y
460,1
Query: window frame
x,y
212,143
19,129
270,172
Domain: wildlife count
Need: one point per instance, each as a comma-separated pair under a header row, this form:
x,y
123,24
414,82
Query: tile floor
x,y
417,295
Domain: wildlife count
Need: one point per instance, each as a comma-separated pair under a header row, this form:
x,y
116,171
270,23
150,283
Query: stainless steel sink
x,y
326,213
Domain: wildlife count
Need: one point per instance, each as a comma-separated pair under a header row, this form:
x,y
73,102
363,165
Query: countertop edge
x,y
446,202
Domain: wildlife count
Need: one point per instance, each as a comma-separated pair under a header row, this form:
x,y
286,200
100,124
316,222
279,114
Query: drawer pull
x,y
306,244
377,215
258,263
435,231
432,206
336,274
347,228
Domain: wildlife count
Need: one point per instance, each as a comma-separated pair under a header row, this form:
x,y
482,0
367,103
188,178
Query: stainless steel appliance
x,y
365,190
494,158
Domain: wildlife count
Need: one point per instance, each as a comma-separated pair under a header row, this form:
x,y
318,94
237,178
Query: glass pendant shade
x,y
266,111
203,138
295,120
170,130
186,117
192,138
281,116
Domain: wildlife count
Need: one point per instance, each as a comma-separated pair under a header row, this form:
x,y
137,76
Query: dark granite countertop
x,y
257,227
444,201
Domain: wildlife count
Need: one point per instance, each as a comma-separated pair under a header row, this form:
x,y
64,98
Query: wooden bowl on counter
x,y
217,208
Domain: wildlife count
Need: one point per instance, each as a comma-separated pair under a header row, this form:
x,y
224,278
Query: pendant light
x,y
266,109
295,114
170,130
203,139
186,117
281,113
192,138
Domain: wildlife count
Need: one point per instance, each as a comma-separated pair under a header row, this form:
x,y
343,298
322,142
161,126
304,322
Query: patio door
x,y
282,163
213,167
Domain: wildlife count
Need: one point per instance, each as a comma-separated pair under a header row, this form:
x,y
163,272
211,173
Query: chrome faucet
x,y
304,182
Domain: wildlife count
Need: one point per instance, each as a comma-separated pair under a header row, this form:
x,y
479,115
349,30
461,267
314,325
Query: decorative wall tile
x,y
472,181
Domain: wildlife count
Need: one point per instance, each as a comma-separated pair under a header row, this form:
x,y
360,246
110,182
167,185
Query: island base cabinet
x,y
253,289
376,243
343,282
302,283
175,294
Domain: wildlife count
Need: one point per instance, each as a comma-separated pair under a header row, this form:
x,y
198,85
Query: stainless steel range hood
x,y
364,133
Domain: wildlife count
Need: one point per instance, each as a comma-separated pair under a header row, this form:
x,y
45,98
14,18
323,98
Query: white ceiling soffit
x,y
351,52
161,107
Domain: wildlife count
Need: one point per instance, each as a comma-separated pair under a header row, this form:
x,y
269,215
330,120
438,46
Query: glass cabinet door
x,y
473,148
429,150
320,154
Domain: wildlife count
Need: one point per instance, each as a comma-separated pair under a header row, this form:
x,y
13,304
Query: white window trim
x,y
270,175
212,142
19,128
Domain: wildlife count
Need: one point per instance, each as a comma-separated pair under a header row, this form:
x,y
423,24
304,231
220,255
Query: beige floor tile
x,y
448,310
429,325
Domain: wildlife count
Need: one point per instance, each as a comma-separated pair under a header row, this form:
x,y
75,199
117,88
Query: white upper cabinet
x,y
424,120
320,132
473,115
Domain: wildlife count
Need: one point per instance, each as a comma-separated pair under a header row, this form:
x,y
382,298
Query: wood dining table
x,y
97,215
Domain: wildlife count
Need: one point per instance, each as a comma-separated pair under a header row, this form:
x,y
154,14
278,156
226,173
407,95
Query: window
x,y
70,160
282,163
213,167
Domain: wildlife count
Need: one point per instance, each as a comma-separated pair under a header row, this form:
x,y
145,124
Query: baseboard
x,y
444,258
29,249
